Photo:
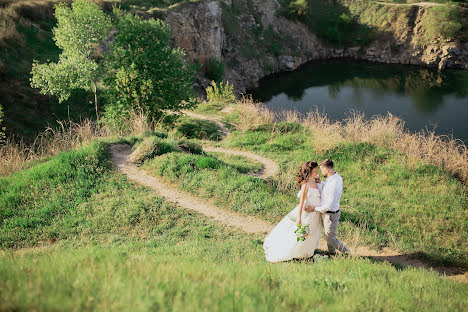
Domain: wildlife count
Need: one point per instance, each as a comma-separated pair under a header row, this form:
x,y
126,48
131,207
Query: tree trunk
x,y
96,101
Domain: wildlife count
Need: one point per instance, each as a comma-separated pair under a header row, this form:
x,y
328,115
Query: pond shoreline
x,y
421,96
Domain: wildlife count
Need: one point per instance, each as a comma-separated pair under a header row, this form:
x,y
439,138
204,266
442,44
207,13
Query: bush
x,y
298,7
190,147
205,162
152,146
199,129
220,92
215,70
441,21
274,41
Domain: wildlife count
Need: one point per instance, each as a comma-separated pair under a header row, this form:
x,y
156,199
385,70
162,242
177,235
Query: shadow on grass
x,y
418,260
399,262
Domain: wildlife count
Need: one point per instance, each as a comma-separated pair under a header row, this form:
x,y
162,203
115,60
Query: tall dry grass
x,y
386,131
16,155
251,114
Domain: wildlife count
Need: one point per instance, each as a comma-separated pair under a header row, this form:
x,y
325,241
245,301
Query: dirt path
x,y
120,152
421,4
270,168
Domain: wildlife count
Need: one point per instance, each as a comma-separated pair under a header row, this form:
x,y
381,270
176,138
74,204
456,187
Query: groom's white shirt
x,y
331,194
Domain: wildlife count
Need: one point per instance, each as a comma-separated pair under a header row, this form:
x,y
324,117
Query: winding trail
x,y
250,224
270,168
420,4
120,153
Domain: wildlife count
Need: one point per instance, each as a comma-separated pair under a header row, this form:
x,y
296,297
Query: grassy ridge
x,y
358,22
41,203
129,249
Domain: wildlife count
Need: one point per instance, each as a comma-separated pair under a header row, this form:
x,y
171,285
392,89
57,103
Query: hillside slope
x,y
83,237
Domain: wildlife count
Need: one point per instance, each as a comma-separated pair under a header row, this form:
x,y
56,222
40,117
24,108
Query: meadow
x,y
80,236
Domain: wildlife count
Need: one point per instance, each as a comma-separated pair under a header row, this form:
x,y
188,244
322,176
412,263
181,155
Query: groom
x,y
330,206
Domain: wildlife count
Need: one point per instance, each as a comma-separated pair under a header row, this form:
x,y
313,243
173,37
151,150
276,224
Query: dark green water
x,y
422,97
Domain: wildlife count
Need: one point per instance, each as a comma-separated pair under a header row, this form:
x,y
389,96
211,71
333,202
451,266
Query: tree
x,y
145,73
78,32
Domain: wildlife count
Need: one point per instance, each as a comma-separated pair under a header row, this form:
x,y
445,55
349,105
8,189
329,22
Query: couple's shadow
x,y
319,255
399,262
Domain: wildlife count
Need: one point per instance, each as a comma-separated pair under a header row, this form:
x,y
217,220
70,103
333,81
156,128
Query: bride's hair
x,y
304,173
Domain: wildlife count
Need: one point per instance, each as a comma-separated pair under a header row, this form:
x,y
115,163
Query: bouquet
x,y
302,232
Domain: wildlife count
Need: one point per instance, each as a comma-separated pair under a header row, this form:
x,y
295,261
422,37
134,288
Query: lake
x,y
423,97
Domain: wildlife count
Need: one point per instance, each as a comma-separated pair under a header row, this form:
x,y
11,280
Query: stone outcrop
x,y
198,28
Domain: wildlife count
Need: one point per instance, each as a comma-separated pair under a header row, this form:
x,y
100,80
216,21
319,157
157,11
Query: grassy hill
x,y
77,235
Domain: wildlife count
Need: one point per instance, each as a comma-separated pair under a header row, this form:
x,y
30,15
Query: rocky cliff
x,y
253,40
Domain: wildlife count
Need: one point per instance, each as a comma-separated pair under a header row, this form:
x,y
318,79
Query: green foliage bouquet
x,y
302,232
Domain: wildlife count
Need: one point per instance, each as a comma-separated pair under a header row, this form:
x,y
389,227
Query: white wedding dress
x,y
282,245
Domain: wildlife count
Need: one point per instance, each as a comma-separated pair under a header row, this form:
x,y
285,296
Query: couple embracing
x,y
319,203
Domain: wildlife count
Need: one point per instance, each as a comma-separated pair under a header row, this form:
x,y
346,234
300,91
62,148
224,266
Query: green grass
x,y
126,248
442,21
418,209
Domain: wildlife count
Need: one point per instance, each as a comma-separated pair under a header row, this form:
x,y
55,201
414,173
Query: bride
x,y
281,244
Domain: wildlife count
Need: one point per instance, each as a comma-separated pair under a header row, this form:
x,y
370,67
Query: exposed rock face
x,y
198,28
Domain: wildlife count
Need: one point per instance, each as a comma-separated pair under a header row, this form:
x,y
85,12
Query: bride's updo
x,y
305,172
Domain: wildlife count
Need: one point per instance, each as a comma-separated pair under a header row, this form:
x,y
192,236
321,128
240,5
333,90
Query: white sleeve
x,y
327,196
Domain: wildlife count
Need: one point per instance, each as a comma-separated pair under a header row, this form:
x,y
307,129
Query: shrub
x,y
220,92
152,146
161,135
298,7
215,70
190,147
274,41
205,162
229,18
199,129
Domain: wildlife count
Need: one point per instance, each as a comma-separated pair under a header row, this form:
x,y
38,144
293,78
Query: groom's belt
x,y
333,211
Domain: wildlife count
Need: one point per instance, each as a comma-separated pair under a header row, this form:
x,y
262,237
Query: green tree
x,y
80,28
144,72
